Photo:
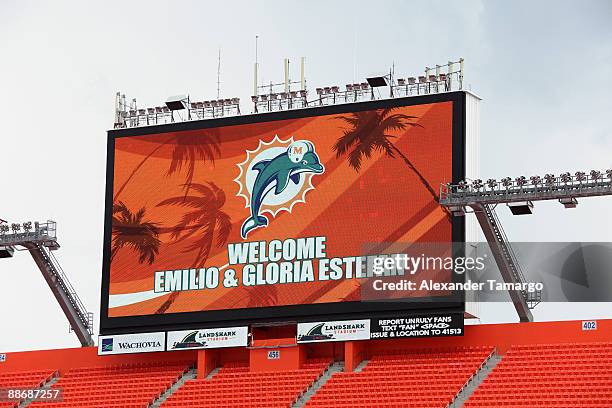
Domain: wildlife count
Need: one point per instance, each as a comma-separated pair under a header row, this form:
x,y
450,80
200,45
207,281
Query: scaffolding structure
x,y
40,239
519,194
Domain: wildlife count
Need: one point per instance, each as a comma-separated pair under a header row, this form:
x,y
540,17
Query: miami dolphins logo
x,y
274,177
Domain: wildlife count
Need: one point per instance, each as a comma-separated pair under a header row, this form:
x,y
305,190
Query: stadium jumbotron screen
x,y
267,217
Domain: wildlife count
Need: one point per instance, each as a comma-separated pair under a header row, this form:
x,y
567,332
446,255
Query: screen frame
x,y
289,314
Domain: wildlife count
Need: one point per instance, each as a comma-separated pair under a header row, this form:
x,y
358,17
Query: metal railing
x,y
434,80
64,282
43,233
534,188
531,298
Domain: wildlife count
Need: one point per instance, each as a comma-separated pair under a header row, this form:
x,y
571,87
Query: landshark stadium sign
x,y
208,338
346,330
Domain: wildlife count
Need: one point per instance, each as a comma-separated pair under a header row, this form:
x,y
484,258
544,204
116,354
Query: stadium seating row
x,y
423,379
555,375
23,380
552,376
115,386
234,386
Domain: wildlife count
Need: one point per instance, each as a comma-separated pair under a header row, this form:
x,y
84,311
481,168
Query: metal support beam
x,y
64,293
482,197
506,259
39,242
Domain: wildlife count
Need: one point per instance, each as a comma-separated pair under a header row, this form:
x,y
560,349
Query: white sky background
x,y
542,68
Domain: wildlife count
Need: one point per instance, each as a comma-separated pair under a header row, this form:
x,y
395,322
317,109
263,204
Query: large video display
x,y
270,216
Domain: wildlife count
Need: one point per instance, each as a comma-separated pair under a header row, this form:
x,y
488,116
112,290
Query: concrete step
x,y
475,381
45,386
213,372
361,366
331,370
188,375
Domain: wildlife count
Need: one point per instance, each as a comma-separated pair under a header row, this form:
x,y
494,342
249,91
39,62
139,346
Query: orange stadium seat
x,y
234,386
125,386
403,378
549,375
23,379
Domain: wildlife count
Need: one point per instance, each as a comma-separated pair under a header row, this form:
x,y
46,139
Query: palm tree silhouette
x,y
368,133
207,218
262,296
133,231
162,309
188,148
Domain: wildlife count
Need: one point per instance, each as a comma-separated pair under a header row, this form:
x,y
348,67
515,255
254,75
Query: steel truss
x,y
39,242
482,198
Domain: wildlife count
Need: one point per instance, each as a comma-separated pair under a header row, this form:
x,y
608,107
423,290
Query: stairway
x,y
188,375
361,366
303,399
475,381
45,386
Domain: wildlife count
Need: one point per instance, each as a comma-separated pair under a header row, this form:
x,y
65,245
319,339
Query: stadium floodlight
x,y
580,176
506,181
457,211
595,175
477,184
566,177
549,179
378,81
15,227
177,102
569,202
520,181
492,183
535,180
27,226
521,208
6,251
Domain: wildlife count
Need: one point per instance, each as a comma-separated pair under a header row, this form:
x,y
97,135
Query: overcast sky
x,y
543,70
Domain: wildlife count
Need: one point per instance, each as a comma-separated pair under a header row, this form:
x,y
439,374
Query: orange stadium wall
x,y
354,353
290,357
502,336
207,361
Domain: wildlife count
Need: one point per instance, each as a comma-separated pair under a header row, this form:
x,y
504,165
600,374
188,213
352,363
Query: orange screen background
x,y
382,202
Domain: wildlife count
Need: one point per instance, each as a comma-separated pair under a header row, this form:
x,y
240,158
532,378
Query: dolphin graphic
x,y
276,174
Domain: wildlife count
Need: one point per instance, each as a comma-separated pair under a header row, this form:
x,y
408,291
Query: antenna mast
x,y
219,74
255,90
